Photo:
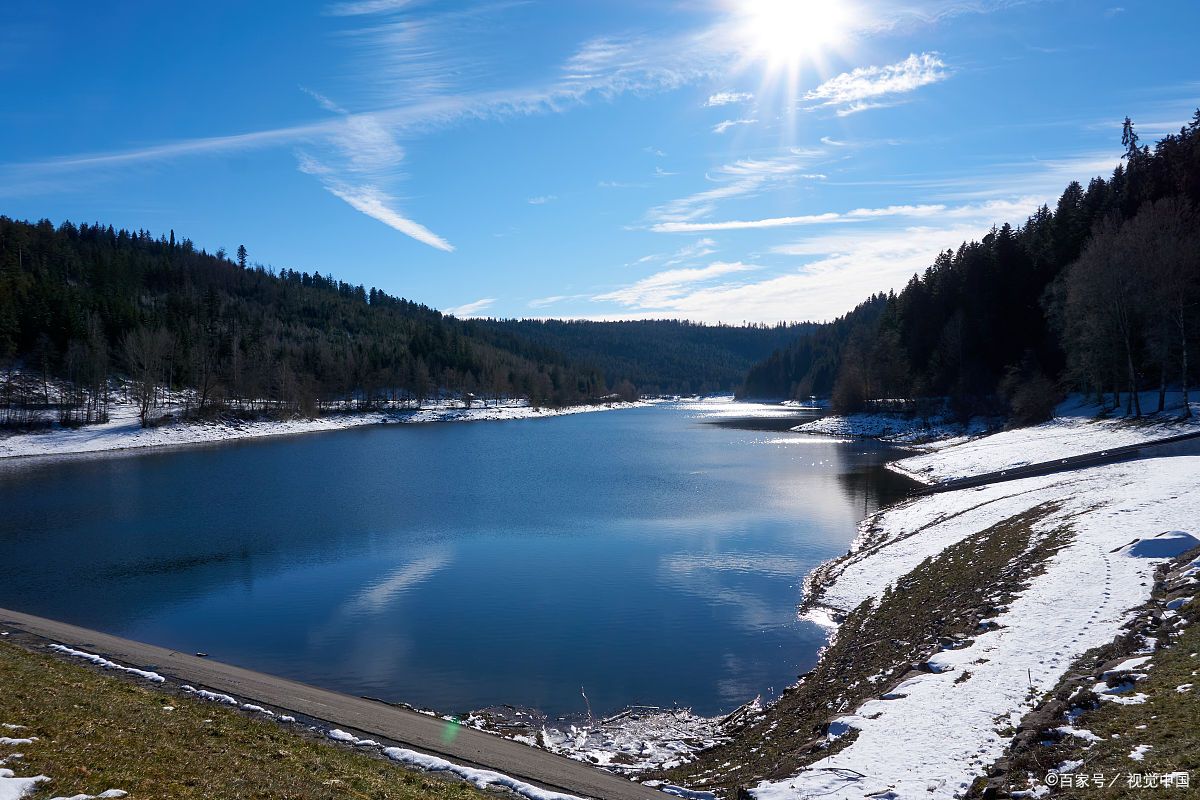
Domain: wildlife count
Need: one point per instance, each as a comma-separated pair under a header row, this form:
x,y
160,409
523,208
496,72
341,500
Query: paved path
x,y
366,717
1151,448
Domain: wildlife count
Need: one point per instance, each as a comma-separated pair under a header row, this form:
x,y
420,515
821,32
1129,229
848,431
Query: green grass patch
x,y
96,732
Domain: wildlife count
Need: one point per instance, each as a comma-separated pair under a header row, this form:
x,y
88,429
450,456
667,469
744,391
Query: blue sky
x,y
717,160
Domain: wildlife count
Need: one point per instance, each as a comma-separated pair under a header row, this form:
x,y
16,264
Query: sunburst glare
x,y
789,39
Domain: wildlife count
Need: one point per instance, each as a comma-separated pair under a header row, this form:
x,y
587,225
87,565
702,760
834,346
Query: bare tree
x,y
1165,241
146,354
1106,301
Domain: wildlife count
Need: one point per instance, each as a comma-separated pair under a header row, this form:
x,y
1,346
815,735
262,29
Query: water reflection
x,y
645,555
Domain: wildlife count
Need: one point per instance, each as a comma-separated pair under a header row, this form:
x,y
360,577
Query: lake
x,y
644,556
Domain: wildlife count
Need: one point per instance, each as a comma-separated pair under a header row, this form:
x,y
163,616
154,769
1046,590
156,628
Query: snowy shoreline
x,y
1121,521
944,450
124,432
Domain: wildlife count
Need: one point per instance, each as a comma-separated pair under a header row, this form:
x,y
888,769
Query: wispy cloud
x,y
542,200
744,178
377,204
621,185
689,252
470,309
543,302
996,210
837,271
721,127
727,98
359,158
865,87
323,101
663,288
363,7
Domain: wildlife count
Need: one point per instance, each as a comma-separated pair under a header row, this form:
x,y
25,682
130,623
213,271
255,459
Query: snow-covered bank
x,y
123,430
939,730
894,427
1076,429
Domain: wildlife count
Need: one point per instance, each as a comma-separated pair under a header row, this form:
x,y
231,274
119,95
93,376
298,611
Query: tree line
x,y
81,305
1100,294
658,356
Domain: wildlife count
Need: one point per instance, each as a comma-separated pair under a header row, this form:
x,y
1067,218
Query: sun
x,y
784,34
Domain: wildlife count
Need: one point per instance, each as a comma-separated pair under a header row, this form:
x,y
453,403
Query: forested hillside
x,y
1099,294
83,304
658,356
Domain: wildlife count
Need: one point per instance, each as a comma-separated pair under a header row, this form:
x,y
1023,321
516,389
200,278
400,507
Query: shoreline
x,y
123,432
1030,575
530,772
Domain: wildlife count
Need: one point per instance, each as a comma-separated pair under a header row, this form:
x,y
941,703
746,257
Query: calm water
x,y
645,556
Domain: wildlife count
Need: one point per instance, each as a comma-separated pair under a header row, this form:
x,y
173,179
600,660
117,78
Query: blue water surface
x,y
643,556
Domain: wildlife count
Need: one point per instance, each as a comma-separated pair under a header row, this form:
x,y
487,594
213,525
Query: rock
x,y
995,789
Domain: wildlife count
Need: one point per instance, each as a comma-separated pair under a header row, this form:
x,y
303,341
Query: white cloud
x,y
621,185
376,204
359,156
1013,211
363,7
726,98
664,288
740,179
721,127
542,302
470,309
839,271
697,249
541,200
862,88
323,101
863,105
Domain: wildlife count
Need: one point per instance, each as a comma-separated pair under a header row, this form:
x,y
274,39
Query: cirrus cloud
x,y
867,87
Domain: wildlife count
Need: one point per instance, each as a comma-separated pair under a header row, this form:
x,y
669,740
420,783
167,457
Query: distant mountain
x,y
657,356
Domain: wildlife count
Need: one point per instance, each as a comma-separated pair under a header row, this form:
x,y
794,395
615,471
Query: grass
x,y
938,604
96,732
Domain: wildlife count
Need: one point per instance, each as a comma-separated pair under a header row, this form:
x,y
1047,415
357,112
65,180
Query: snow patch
x,y
123,431
481,778
215,697
1074,431
1085,595
100,661
14,788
